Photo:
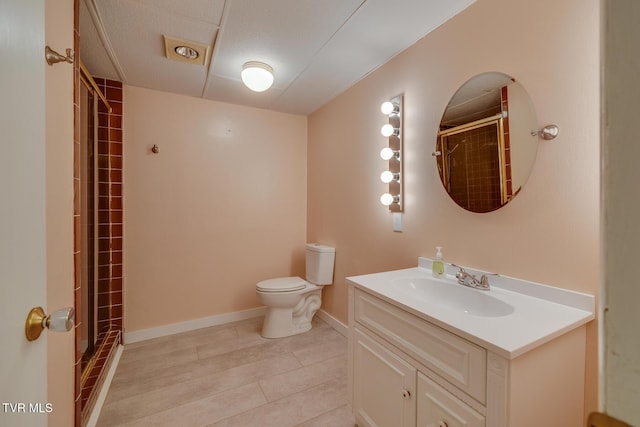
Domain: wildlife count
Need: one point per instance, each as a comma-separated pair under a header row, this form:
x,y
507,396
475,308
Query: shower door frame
x,y
92,292
496,120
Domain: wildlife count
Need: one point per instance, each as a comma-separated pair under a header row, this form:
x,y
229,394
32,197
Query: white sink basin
x,y
457,297
511,318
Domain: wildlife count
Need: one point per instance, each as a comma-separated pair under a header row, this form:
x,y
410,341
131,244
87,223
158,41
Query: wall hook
x,y
54,57
547,133
155,149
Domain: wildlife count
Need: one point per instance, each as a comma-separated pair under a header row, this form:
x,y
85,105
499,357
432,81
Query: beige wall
x,y
221,207
548,234
59,173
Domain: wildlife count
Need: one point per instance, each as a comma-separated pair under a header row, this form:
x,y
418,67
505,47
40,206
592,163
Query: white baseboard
x,y
102,396
190,325
219,319
333,322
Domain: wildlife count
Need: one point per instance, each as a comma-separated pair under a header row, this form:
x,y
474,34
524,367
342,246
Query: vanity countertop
x,y
540,312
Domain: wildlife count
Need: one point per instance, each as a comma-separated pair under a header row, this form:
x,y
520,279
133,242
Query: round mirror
x,y
485,150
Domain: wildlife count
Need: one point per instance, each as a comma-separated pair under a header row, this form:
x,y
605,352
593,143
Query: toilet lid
x,y
281,284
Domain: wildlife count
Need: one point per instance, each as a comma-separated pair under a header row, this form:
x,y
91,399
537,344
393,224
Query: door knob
x,y
59,321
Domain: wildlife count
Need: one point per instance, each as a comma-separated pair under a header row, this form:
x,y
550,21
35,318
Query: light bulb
x,y
186,52
389,108
388,130
386,199
387,154
388,176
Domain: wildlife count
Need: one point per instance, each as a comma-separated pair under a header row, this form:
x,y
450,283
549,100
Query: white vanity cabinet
x,y
389,391
384,385
405,370
394,355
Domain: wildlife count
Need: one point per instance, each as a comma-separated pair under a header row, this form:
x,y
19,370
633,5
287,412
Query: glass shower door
x,y
88,221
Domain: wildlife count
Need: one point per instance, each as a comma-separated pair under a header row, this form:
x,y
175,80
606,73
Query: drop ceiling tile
x,y
136,32
374,34
478,94
200,10
286,34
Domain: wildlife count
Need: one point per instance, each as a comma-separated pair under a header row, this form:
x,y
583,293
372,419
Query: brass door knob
x,y
59,321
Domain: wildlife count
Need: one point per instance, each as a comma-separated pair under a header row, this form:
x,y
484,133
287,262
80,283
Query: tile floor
x,y
229,375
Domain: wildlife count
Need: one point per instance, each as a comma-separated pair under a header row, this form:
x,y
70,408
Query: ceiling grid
x,y
317,49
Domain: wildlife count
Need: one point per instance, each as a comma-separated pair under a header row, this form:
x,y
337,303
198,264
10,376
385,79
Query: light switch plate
x,y
397,221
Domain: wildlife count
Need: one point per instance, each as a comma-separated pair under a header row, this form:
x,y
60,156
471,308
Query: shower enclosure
x,y
98,216
472,164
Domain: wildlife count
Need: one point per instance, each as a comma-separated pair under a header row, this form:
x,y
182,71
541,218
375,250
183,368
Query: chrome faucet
x,y
467,279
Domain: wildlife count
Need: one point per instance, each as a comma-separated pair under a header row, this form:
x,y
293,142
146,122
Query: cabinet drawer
x,y
457,360
438,407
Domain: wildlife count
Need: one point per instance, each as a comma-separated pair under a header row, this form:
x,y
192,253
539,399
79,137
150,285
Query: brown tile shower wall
x,y
110,239
477,185
110,206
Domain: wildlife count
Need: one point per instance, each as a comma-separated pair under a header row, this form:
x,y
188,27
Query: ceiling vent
x,y
185,51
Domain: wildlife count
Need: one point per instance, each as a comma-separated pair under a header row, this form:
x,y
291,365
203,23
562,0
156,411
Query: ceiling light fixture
x,y
186,52
257,76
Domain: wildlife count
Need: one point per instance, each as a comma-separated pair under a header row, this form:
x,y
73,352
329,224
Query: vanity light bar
x,y
392,153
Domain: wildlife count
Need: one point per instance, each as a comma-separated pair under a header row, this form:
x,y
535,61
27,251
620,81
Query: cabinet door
x,y
384,386
439,408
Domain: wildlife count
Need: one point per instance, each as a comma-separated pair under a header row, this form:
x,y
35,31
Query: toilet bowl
x,y
289,312
292,301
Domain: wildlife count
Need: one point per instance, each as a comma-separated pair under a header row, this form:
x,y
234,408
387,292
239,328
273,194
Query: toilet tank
x,y
319,263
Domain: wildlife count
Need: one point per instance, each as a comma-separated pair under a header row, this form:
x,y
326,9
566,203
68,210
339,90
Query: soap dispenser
x,y
437,268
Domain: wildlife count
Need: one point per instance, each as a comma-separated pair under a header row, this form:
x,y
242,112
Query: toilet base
x,y
283,322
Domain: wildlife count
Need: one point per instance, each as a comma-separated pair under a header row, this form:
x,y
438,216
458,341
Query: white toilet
x,y
291,301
